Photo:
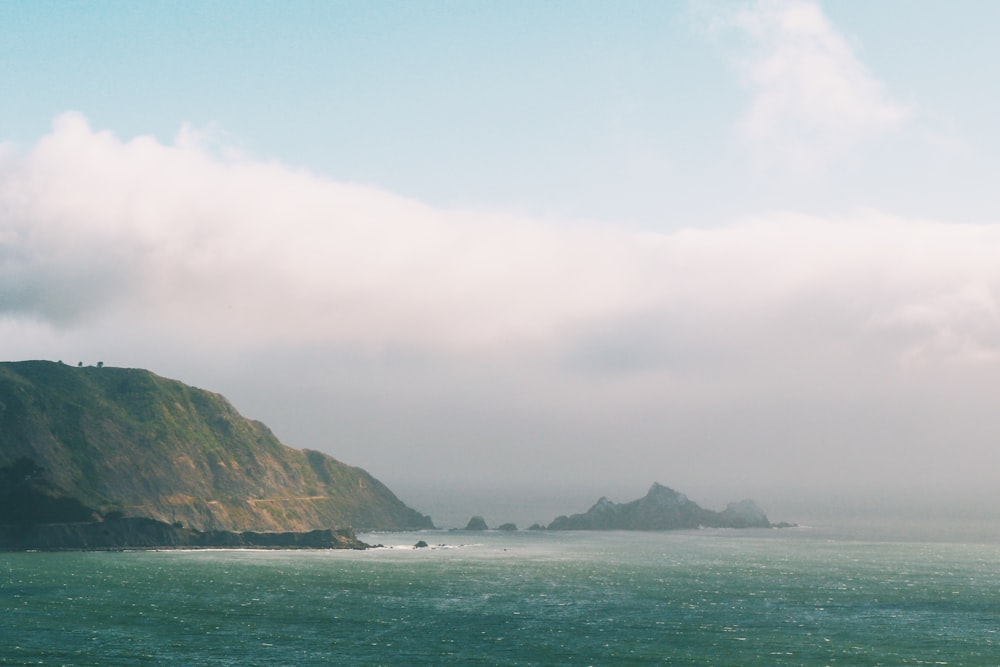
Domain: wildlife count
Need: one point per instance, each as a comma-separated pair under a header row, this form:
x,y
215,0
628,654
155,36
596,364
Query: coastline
x,y
141,533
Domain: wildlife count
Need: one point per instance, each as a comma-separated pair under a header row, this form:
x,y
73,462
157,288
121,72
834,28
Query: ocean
x,y
801,596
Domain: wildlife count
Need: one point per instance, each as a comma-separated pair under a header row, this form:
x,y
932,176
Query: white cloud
x,y
209,243
813,100
368,324
225,247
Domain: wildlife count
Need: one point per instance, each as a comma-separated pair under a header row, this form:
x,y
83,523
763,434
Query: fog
x,y
485,363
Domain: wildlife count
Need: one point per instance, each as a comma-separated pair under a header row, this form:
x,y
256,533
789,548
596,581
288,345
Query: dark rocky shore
x,y
140,533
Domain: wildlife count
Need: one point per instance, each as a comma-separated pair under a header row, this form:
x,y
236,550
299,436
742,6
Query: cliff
x,y
125,441
662,508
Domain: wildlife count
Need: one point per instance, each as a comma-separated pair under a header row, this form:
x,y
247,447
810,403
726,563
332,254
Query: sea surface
x,y
799,596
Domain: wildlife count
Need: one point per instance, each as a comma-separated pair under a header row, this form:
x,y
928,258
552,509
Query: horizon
x,y
742,249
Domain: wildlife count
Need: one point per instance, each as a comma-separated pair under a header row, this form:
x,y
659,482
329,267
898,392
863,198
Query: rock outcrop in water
x,y
476,523
80,443
662,509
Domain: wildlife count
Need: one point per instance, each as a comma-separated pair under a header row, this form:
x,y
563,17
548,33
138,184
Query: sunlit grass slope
x,y
123,439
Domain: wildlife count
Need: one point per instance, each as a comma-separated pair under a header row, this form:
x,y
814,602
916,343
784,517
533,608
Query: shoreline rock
x,y
476,523
142,533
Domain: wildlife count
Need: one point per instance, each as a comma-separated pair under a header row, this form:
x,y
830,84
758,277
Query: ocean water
x,y
742,598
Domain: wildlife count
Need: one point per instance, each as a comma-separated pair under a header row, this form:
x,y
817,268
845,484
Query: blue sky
x,y
626,112
743,248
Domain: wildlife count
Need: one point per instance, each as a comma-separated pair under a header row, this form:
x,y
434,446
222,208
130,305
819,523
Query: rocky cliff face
x,y
662,508
128,441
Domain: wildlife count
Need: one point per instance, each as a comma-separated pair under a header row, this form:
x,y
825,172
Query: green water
x,y
742,598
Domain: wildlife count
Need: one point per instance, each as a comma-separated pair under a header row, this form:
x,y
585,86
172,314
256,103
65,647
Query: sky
x,y
510,257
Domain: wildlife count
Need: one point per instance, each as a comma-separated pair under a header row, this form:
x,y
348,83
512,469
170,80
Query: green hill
x,y
127,441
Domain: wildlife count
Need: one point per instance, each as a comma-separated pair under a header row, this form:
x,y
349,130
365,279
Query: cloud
x,y
813,100
216,245
427,342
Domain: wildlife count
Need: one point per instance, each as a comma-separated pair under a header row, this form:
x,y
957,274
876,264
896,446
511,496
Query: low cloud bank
x,y
775,338
94,226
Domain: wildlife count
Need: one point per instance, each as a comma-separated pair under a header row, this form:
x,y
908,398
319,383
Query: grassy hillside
x,y
126,440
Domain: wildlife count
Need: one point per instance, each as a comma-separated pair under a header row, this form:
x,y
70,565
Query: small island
x,y
662,508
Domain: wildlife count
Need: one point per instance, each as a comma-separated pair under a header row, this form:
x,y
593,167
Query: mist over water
x,y
522,506
860,516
